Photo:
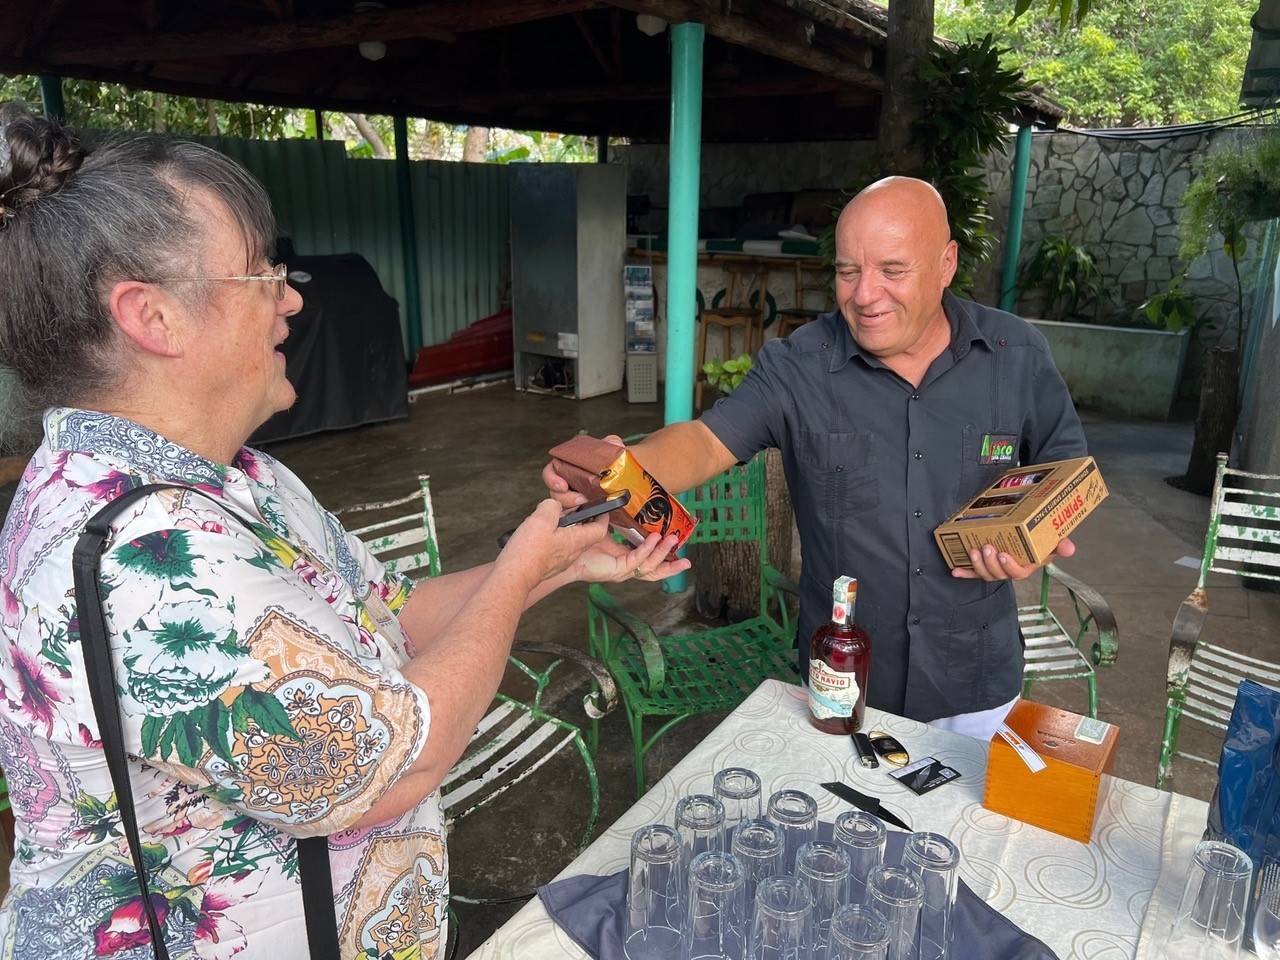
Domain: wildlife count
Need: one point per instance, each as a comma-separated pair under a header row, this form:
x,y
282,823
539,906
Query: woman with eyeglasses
x,y
274,682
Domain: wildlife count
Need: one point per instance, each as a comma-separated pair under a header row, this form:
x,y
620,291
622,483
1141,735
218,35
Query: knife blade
x,y
864,802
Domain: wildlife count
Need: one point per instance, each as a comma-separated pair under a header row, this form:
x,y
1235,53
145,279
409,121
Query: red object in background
x,y
484,347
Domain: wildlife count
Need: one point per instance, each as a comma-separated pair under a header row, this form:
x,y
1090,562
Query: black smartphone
x,y
591,511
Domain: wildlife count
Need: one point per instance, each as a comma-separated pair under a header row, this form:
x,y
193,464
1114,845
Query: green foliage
x,y
1066,272
1143,62
725,375
111,106
967,97
1171,310
543,147
1236,183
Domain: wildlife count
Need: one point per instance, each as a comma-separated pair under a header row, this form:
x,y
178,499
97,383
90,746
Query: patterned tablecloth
x,y
1085,902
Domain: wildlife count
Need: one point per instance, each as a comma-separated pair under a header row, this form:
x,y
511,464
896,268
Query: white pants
x,y
981,725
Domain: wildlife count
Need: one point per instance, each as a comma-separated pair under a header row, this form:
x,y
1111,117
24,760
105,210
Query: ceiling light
x,y
372,49
650,25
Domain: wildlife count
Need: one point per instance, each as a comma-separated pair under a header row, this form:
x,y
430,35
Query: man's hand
x,y
558,487
989,564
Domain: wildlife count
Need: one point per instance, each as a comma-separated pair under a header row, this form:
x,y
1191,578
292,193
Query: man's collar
x,y
964,333
87,431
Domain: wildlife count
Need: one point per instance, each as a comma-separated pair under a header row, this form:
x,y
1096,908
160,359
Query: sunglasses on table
x,y
279,277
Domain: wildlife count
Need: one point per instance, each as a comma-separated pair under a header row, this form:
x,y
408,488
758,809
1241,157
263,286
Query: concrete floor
x,y
484,450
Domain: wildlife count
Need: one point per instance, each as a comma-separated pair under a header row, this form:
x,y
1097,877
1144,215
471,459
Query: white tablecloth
x,y
1085,902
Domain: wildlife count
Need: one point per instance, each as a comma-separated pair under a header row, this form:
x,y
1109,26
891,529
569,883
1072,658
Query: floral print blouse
x,y
255,688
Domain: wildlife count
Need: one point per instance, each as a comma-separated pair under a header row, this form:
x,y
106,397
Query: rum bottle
x,y
839,661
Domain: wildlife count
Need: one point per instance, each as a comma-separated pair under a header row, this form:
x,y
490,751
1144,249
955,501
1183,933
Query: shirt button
x,y
918,514
1004,342
919,455
839,468
919,571
915,621
915,396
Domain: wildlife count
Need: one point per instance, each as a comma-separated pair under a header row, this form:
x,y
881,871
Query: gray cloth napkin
x,y
592,911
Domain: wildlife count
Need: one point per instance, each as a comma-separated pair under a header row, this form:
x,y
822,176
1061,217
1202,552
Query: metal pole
x,y
319,116
1017,206
682,227
602,149
51,97
408,241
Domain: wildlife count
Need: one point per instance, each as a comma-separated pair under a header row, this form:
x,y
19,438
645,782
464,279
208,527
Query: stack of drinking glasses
x,y
732,881
1210,922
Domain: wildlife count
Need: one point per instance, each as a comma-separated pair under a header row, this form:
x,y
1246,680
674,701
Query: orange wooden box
x,y
1066,795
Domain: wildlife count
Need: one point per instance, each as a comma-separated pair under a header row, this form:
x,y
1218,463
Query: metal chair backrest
x,y
1243,538
730,507
401,533
812,281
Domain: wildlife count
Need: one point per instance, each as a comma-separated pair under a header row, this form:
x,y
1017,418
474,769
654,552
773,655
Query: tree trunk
x,y
476,145
778,520
370,135
908,44
1216,420
211,117
159,104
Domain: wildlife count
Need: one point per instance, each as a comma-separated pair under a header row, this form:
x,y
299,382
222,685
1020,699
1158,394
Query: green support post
x,y
682,228
602,149
319,117
51,96
408,241
1017,206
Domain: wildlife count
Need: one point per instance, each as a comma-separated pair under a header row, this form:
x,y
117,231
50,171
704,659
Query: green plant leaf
x,y
189,742
267,712
152,727
215,723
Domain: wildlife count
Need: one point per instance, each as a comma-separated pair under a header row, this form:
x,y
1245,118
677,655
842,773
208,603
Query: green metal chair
x,y
680,675
1243,540
515,737
1052,653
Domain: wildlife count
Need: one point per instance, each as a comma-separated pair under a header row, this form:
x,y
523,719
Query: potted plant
x,y
724,574
1235,185
1147,355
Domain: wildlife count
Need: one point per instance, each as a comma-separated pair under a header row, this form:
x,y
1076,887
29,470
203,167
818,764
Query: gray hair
x,y
73,223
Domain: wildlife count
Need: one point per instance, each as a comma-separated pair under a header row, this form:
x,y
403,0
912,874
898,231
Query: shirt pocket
x,y
838,471
976,476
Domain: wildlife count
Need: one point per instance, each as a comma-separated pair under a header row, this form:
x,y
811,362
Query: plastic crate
x,y
642,378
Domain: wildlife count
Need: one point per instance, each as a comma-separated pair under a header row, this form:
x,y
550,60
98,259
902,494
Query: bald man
x,y
881,410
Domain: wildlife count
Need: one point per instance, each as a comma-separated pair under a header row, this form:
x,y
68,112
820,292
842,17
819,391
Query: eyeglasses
x,y
279,276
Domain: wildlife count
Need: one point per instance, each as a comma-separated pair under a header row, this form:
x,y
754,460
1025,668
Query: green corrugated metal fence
x,y
329,204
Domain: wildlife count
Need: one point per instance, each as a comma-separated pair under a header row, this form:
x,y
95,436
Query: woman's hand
x,y
540,548
609,561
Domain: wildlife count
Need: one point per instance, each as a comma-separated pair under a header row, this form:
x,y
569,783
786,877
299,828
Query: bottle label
x,y
832,694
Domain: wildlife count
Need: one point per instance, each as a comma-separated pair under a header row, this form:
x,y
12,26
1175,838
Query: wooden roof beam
x,y
436,21
792,40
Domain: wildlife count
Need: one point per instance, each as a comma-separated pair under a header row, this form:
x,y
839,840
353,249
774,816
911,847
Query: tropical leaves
x,y
1066,272
186,735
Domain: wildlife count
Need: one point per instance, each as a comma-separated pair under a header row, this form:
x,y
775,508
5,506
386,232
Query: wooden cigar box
x,y
1072,755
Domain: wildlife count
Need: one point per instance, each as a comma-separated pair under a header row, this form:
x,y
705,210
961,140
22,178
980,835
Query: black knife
x,y
863,802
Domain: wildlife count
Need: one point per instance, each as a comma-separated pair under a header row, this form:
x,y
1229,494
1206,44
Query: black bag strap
x,y
313,852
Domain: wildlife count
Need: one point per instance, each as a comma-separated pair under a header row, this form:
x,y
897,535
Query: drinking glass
x,y
935,862
858,933
1211,914
652,931
824,866
758,845
700,823
781,921
1266,919
715,923
797,814
897,895
863,838
739,790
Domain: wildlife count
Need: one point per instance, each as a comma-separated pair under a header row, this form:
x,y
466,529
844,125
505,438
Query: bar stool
x,y
807,283
735,313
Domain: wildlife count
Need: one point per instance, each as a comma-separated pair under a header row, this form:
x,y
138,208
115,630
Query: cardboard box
x,y
1073,752
1025,513
598,470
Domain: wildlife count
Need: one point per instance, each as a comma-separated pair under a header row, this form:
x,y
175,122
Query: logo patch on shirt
x,y
997,448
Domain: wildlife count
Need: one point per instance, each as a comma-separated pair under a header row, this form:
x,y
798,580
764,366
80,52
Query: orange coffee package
x,y
598,470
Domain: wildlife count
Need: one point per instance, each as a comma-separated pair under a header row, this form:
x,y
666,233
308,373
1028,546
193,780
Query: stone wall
x,y
1119,198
